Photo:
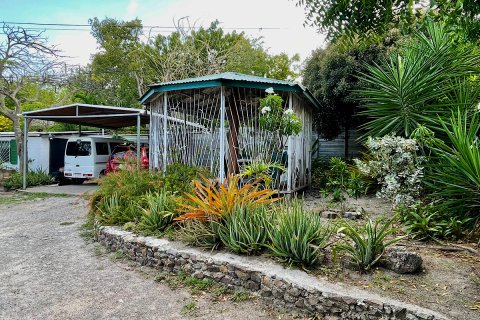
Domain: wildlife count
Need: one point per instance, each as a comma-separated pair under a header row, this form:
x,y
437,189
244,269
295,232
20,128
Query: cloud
x,y
132,9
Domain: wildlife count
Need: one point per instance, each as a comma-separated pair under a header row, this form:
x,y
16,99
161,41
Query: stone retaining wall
x,y
292,289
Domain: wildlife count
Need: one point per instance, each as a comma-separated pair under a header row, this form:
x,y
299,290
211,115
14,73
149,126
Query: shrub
x,y
394,162
34,178
158,212
427,222
260,172
366,244
211,201
297,236
245,230
179,177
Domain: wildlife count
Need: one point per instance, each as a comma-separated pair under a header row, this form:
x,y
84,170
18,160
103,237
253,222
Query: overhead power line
x,y
70,25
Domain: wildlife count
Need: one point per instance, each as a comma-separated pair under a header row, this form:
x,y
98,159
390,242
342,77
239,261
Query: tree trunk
x,y
17,129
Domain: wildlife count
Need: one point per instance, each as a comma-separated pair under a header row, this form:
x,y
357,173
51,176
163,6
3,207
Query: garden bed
x,y
450,278
290,288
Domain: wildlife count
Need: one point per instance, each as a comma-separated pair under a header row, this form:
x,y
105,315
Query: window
x,y
79,148
8,152
4,151
102,148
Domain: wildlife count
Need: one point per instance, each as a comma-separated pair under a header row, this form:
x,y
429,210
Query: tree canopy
x,y
337,17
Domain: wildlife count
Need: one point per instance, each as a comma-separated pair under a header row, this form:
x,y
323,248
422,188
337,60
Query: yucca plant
x,y
297,236
418,84
456,176
211,201
245,230
366,244
157,211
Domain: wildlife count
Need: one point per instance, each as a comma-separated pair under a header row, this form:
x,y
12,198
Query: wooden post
x,y
165,131
221,173
290,156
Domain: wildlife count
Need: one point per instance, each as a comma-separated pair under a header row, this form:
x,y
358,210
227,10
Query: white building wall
x,y
38,152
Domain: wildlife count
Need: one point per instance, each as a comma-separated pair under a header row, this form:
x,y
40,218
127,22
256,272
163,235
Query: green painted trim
x,y
260,85
180,86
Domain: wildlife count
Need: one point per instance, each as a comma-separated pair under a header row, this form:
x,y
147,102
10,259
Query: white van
x,y
86,157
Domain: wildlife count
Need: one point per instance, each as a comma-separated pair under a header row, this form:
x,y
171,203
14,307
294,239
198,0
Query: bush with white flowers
x,y
394,163
274,118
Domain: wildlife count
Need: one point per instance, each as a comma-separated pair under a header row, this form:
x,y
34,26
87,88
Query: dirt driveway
x,y
47,271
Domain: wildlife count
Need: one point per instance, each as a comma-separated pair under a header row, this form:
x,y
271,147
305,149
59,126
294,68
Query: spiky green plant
x,y
366,244
262,171
245,230
157,211
455,178
420,83
297,236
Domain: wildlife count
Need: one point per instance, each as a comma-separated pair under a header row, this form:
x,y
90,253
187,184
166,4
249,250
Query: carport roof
x,y
107,117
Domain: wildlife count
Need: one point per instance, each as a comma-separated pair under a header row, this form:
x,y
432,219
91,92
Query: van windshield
x,y
79,148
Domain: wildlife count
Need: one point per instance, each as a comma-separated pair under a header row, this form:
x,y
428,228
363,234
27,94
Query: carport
x,y
104,117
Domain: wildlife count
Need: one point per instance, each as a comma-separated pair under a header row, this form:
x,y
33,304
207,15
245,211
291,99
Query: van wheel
x,y
78,181
102,174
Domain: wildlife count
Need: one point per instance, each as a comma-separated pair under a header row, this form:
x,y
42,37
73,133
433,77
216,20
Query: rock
x,y
330,214
352,215
401,261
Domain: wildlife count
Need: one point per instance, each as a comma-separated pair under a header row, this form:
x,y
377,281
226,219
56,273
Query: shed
x,y
217,126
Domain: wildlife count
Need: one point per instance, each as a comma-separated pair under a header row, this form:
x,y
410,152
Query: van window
x,y
79,148
102,148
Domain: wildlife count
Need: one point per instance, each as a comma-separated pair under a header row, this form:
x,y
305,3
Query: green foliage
x,y
179,177
202,234
330,74
366,244
430,75
338,179
427,222
262,171
5,124
455,176
297,236
158,211
274,118
34,178
395,164
336,17
245,230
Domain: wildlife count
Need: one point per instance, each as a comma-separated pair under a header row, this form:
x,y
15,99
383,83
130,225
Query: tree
x,y
421,83
127,62
331,75
337,17
27,62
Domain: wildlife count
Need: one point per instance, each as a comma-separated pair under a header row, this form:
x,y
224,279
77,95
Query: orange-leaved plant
x,y
212,202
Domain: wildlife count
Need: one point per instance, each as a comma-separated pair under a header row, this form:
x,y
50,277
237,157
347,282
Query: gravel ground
x,y
47,271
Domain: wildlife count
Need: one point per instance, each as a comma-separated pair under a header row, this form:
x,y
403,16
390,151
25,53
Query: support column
x,y
290,151
221,173
25,157
165,132
139,153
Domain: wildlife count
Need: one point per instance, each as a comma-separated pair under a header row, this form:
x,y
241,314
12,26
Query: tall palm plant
x,y
418,84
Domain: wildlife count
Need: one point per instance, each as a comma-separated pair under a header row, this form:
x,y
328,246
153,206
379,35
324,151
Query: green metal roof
x,y
228,79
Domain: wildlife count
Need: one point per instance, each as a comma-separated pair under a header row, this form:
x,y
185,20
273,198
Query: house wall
x,y
335,148
38,152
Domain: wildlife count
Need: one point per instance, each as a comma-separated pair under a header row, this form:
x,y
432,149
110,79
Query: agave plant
x,y
366,244
245,230
211,201
158,211
297,236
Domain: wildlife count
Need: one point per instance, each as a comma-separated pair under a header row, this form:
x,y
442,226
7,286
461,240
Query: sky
x,y
289,35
